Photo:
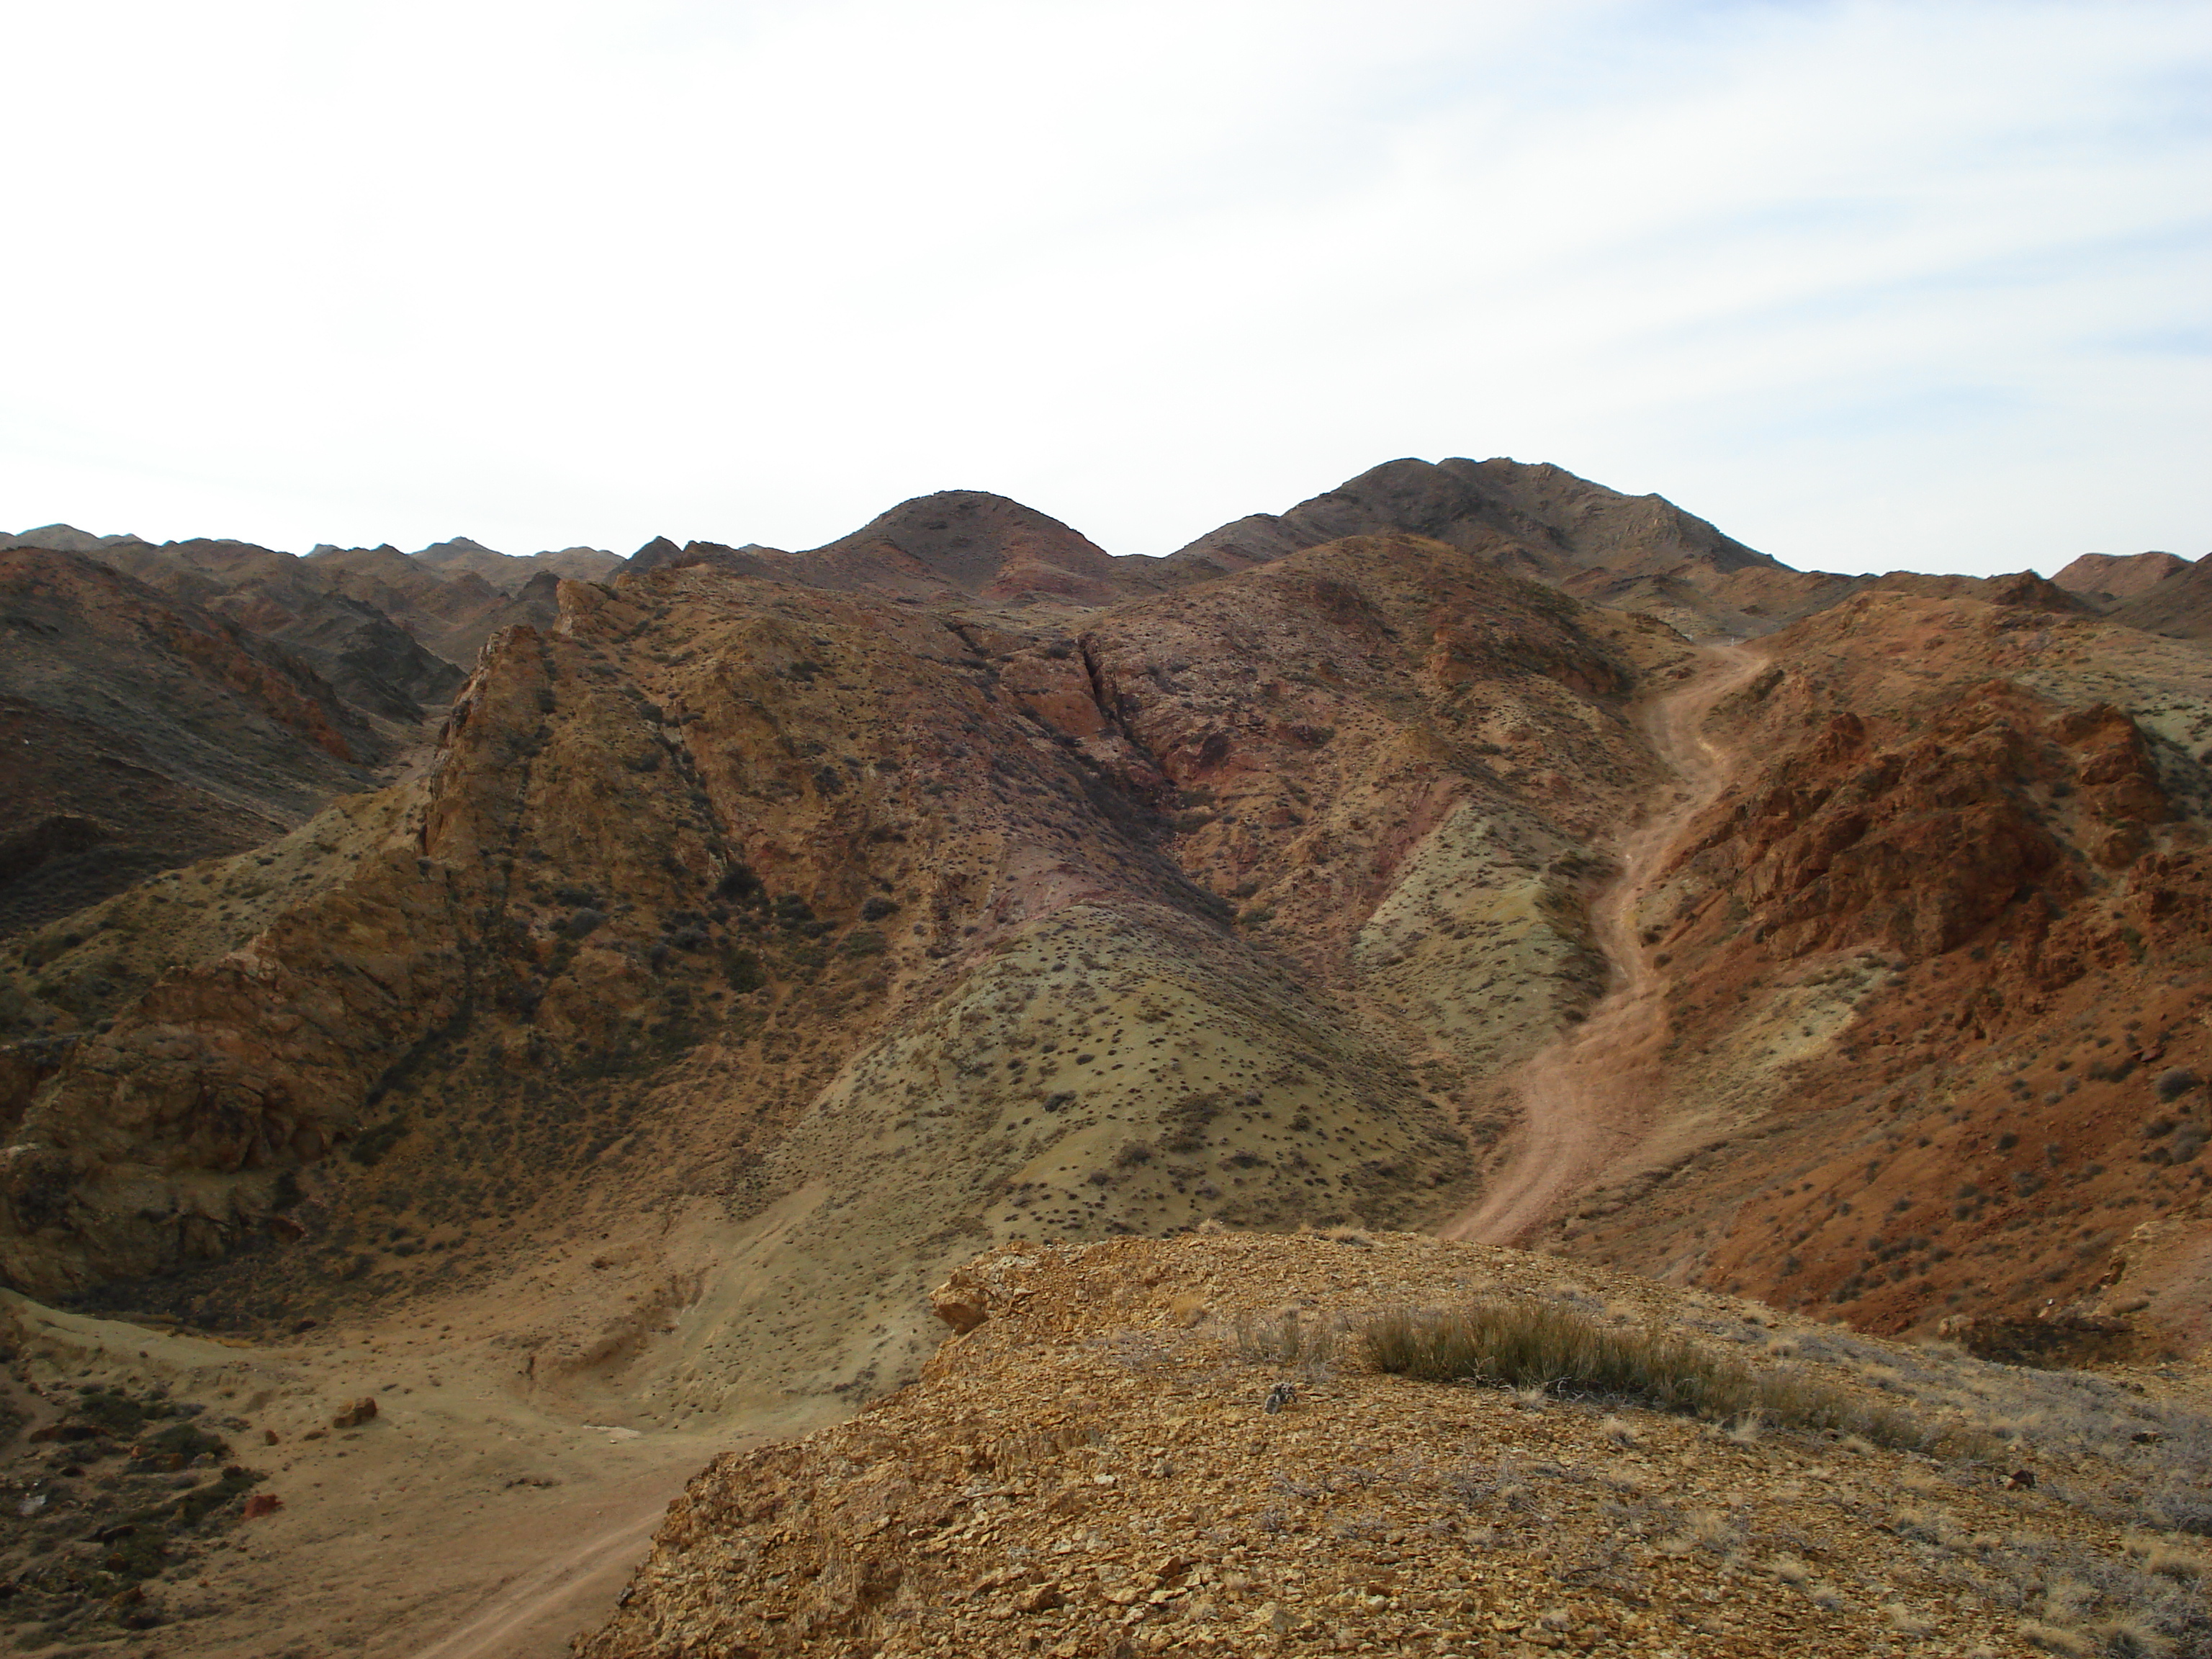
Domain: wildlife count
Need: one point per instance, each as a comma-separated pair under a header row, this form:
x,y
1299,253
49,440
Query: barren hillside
x,y
1471,849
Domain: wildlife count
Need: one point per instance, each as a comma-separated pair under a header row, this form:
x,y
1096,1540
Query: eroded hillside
x,y
800,943
1937,991
768,933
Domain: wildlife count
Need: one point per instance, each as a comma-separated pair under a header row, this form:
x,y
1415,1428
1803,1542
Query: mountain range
x,y
631,985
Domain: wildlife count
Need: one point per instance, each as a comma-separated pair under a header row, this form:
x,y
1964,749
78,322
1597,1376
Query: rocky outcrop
x,y
1921,843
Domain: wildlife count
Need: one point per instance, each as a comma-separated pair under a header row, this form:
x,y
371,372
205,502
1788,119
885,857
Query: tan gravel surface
x,y
1093,1470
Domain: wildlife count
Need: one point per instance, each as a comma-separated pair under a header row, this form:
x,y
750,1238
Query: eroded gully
x,y
1587,1096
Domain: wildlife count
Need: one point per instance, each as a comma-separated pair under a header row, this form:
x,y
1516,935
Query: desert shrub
x,y
186,1439
875,908
1289,1338
2173,1085
1186,1121
109,1412
1541,1345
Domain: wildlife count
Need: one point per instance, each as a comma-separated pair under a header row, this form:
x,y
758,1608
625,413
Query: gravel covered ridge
x,y
1093,1469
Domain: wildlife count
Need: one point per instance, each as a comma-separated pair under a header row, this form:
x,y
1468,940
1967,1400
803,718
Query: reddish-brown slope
x,y
1311,720
1538,520
2180,607
964,542
2108,578
373,661
1938,973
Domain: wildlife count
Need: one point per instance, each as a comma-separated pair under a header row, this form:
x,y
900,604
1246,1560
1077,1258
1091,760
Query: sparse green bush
x,y
1542,1344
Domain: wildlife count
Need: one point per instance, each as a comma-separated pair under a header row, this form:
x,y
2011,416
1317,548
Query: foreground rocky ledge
x,y
1108,1461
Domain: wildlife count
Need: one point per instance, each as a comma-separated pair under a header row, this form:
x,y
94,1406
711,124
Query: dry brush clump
x,y
1289,1339
1548,1346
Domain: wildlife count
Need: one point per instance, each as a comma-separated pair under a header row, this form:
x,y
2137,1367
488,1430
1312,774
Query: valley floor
x,y
466,1520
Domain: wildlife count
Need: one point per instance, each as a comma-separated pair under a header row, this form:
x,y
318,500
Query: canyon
x,y
588,1005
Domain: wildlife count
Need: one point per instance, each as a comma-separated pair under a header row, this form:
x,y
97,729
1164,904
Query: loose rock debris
x,y
1088,1471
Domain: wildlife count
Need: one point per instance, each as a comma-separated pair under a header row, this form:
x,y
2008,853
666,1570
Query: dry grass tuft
x,y
1288,1340
1543,1346
2052,1639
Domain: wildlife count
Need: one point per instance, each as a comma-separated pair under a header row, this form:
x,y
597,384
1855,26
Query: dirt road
x,y
1584,1097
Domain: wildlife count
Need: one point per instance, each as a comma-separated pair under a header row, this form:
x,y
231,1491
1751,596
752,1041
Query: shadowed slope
x,y
138,732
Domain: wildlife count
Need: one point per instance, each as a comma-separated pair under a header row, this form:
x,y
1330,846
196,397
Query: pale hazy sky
x,y
1870,285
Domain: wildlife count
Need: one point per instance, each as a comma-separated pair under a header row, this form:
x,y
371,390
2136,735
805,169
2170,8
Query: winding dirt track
x,y
1586,1096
